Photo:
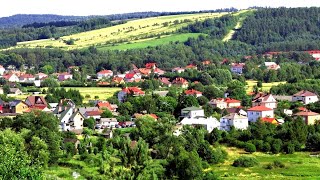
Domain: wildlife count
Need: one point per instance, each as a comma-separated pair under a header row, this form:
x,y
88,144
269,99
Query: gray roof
x,y
83,110
14,103
64,113
192,108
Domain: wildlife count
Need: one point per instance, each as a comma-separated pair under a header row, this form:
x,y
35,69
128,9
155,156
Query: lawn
x,y
132,31
152,42
297,166
265,86
102,92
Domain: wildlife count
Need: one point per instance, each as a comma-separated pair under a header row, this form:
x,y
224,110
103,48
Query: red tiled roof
x,y
145,71
308,113
230,100
153,116
304,93
192,92
117,79
105,105
150,65
26,76
93,113
134,90
129,75
165,81
191,66
65,74
105,72
238,65
178,69
269,120
259,108
206,62
180,80
302,109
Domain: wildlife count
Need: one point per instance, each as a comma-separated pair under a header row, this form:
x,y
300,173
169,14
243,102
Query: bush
x,y
249,147
275,164
266,147
245,162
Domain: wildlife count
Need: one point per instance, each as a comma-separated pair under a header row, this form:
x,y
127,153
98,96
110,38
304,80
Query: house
x,y
145,71
208,123
27,78
135,91
36,101
270,120
117,80
105,105
70,119
94,114
41,76
72,69
108,122
267,100
64,76
236,120
151,65
191,66
11,77
104,74
179,81
237,110
83,110
15,91
2,70
16,106
165,81
158,71
315,54
132,77
103,84
223,103
271,65
178,70
192,92
309,117
257,112
306,97
192,112
237,67
206,62
1,91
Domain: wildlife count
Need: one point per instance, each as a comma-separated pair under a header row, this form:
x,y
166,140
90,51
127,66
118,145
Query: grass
x,y
265,86
60,172
102,92
297,166
132,31
152,42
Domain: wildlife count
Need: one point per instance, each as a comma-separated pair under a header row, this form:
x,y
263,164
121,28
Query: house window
x,y
257,113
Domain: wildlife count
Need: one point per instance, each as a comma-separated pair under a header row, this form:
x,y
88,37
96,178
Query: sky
x,y
105,7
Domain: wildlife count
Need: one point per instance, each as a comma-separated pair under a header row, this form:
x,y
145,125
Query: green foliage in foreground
x,y
245,162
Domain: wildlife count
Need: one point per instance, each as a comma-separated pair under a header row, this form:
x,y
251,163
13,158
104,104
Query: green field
x,y
297,166
265,86
102,92
152,42
132,31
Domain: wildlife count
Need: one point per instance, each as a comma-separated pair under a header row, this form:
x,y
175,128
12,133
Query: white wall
x,y
253,116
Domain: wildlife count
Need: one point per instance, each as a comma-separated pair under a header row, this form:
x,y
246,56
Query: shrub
x,y
275,164
249,147
266,147
245,162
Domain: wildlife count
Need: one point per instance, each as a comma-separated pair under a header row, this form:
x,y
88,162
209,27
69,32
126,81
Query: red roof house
x,y
193,92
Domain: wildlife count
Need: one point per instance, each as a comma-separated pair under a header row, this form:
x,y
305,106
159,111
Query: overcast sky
x,y
105,7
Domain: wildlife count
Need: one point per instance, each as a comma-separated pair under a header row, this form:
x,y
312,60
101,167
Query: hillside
x,y
132,31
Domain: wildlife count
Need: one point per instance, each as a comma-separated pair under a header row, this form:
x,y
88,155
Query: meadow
x,y
101,92
152,42
132,31
265,86
297,166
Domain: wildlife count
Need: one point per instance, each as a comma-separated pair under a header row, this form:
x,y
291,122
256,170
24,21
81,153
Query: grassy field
x,y
265,86
152,42
102,92
297,166
132,31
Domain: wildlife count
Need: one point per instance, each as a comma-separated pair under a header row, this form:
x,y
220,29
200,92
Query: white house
x,y
135,91
209,123
272,65
70,119
192,92
178,70
223,103
2,70
257,112
266,100
192,112
104,74
237,67
64,76
108,122
11,77
233,119
306,97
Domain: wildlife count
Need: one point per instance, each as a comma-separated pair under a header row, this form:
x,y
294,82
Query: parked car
x,y
98,126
